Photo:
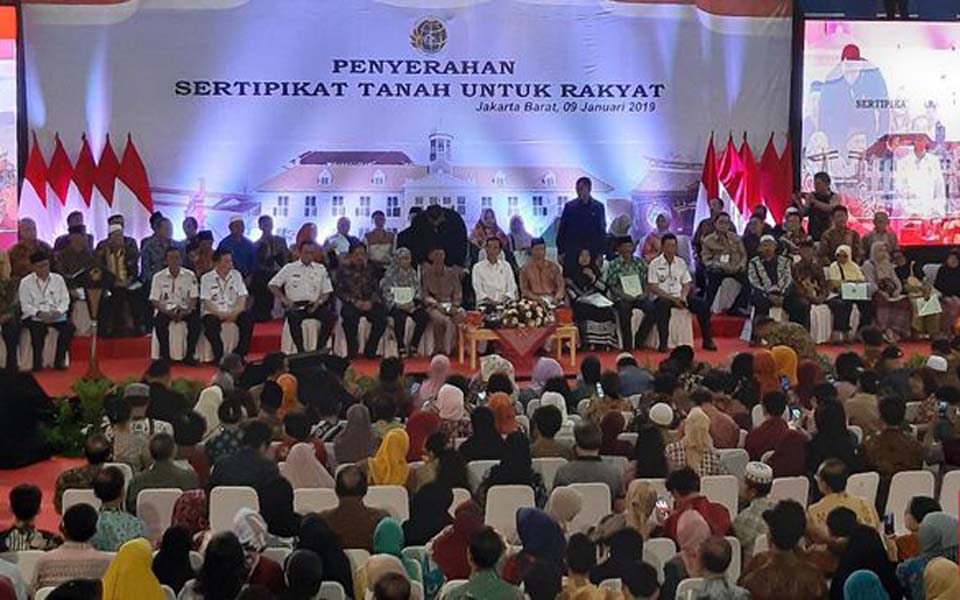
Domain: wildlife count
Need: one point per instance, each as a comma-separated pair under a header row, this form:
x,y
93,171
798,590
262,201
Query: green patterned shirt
x,y
619,267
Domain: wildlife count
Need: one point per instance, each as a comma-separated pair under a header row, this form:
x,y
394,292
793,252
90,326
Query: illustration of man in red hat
x,y
852,100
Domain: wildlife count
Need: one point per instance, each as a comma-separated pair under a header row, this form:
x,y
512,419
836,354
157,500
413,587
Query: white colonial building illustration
x,y
322,186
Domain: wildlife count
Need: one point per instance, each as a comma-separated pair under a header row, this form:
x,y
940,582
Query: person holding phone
x,y
669,283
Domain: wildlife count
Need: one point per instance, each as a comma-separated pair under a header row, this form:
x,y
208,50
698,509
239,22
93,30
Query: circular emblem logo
x,y
429,36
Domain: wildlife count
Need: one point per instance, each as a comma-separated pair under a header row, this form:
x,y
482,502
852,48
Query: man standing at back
x,y
352,520
582,225
242,249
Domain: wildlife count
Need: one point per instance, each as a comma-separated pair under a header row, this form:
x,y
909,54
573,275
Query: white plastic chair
x,y
392,498
857,431
742,438
449,587
596,505
864,485
736,560
79,496
950,492
657,551
358,557
756,415
532,407
548,467
155,509
331,590
614,585
734,461
308,500
125,469
42,593
503,501
723,489
460,495
225,501
582,406
168,592
477,470
791,488
26,561
903,487
913,409
687,588
761,544
629,437
660,485
277,555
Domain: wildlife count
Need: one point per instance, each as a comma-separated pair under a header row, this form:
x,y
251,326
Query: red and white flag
x,y
33,193
748,197
770,181
84,173
730,173
133,198
59,176
709,185
104,186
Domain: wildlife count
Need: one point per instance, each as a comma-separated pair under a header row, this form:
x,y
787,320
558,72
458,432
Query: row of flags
x,y
97,188
743,184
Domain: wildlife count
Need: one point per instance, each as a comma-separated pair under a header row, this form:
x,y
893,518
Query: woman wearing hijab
x,y
844,270
743,384
400,287
515,468
485,442
541,540
788,459
190,512
291,395
388,539
429,513
520,239
864,585
449,405
486,228
612,425
620,228
638,507
252,531
765,372
692,532
592,309
389,465
809,375
862,548
306,233
941,580
564,505
893,310
224,571
947,283
785,358
420,426
695,448
172,565
649,458
316,535
504,413
276,508
208,407
450,547
625,552
130,575
651,243
938,538
303,470
437,374
303,572
832,439
356,442
544,370
378,566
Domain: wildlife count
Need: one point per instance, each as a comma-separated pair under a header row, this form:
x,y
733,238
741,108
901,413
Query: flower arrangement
x,y
526,313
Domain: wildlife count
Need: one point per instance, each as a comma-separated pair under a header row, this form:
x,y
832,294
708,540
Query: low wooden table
x,y
468,338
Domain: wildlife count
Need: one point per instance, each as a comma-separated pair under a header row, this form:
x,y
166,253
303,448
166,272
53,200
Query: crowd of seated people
x,y
688,464
432,272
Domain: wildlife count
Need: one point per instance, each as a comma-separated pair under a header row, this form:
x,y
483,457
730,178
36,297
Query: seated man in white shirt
x,y
669,282
305,290
493,280
224,300
173,293
44,302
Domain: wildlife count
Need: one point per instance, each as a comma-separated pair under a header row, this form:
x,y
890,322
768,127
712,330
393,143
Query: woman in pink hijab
x,y
436,376
454,420
692,532
303,470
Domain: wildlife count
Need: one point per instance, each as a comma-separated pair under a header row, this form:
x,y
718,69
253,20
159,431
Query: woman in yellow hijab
x,y
389,464
941,580
786,360
130,575
291,402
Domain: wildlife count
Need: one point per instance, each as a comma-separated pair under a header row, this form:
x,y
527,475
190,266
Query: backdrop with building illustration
x,y
309,110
